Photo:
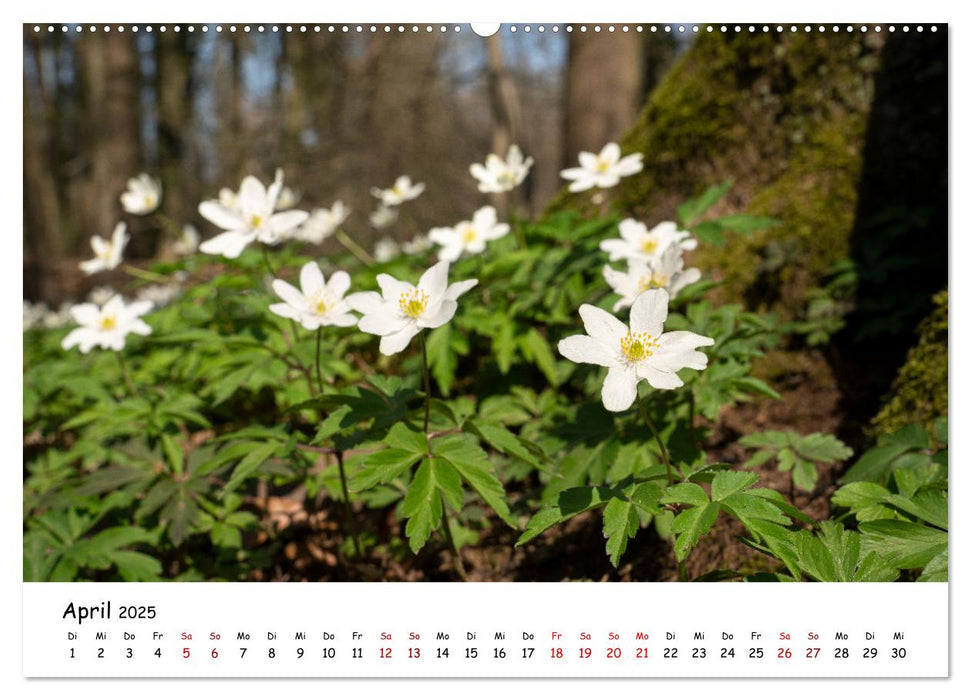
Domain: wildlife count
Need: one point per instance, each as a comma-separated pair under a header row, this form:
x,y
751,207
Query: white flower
x,y
468,236
402,191
100,295
56,319
318,302
602,170
636,242
641,352
34,314
386,250
667,273
322,223
108,325
107,254
288,199
419,244
143,195
158,295
402,310
383,216
249,218
188,242
498,175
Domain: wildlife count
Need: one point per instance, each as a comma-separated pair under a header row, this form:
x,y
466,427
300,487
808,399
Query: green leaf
x,y
902,544
536,349
404,438
804,475
929,506
382,467
422,506
621,522
727,483
936,569
693,209
568,503
689,493
504,346
136,566
473,464
864,500
174,454
449,483
690,526
442,359
249,464
505,441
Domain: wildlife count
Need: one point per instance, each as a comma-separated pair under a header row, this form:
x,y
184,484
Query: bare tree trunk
x,y
605,89
42,212
505,107
174,60
111,73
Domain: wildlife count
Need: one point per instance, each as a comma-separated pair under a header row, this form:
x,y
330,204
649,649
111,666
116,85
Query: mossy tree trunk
x,y
843,138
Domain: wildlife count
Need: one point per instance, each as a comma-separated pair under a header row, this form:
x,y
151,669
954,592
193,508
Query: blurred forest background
x,y
340,112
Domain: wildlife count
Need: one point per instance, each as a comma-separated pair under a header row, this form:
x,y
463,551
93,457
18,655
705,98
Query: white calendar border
x,y
437,11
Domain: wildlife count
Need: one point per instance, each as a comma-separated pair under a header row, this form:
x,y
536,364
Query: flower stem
x,y
456,558
356,250
320,381
146,275
347,504
657,437
266,260
427,378
125,375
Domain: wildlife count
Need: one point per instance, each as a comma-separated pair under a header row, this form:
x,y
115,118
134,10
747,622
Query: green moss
x,y
919,393
784,117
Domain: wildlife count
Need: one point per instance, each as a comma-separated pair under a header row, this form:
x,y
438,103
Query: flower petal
x,y
396,342
610,153
584,349
434,281
657,377
290,294
648,312
619,389
252,195
217,214
85,314
284,222
339,283
602,326
457,289
311,279
392,288
440,316
229,244
365,302
286,311
384,322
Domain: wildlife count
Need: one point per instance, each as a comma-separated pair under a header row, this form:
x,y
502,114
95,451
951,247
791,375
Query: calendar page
x,y
459,351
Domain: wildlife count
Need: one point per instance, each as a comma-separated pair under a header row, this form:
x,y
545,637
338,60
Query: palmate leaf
x,y
472,463
422,506
382,467
837,555
732,493
796,453
508,443
566,504
903,544
623,513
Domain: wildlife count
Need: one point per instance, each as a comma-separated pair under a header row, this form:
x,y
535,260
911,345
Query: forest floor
x,y
575,550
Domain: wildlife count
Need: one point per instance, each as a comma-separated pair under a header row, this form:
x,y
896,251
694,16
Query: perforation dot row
x,y
428,28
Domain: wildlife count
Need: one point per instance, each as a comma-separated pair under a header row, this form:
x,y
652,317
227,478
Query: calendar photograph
x,y
586,303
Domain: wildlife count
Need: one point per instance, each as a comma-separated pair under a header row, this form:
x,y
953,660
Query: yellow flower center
x,y
108,323
657,281
602,165
649,245
413,303
468,235
321,303
256,221
638,346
